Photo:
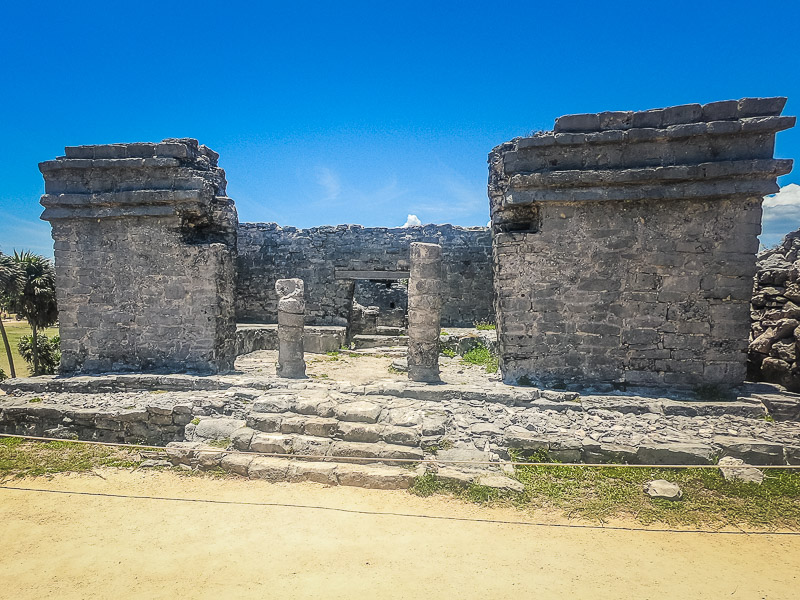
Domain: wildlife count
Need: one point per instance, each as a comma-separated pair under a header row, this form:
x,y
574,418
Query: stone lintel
x,y
382,275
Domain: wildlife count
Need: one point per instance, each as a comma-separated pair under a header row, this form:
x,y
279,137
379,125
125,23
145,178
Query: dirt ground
x,y
163,535
366,368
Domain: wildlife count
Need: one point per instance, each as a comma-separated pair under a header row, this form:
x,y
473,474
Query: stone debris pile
x,y
775,315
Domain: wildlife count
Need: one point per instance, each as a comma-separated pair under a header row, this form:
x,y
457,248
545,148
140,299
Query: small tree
x,y
36,299
11,281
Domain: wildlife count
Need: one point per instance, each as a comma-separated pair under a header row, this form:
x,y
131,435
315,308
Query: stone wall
x,y
268,252
624,243
391,298
775,313
145,246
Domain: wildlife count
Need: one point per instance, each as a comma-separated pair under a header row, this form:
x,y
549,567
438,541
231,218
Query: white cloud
x,y
781,214
330,182
413,221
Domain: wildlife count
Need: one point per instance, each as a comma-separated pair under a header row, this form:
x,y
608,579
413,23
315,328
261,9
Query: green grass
x,y
15,331
485,326
602,493
449,352
480,355
19,458
221,443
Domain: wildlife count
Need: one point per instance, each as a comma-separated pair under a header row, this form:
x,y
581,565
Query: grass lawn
x,y
601,493
15,330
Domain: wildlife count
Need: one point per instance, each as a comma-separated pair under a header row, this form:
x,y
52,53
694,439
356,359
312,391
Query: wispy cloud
x,y
781,214
330,182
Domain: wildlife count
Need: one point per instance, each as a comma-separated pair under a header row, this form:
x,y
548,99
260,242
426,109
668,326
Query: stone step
x,y
375,476
329,427
275,469
386,330
376,341
249,439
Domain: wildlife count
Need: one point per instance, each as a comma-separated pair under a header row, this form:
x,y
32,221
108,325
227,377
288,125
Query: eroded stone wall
x,y
775,313
268,252
624,244
145,247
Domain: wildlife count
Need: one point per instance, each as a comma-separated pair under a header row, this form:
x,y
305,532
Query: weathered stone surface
x,y
674,454
145,251
772,354
424,308
216,429
752,451
501,483
361,412
733,472
661,488
269,468
380,478
291,310
267,251
655,293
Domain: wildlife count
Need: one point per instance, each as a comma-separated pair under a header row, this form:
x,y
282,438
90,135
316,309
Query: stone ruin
x,y
622,252
775,313
145,255
624,243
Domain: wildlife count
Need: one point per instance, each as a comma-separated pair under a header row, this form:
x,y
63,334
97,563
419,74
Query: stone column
x,y
291,311
424,308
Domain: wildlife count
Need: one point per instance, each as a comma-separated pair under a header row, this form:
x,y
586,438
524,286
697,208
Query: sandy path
x,y
81,546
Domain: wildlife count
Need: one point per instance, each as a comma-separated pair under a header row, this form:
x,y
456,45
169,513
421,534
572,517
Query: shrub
x,y
480,355
485,325
3,375
49,352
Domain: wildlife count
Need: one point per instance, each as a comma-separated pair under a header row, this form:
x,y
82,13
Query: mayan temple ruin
x,y
612,290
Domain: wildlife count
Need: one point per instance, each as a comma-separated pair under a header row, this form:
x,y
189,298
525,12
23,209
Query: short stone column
x,y
291,311
424,308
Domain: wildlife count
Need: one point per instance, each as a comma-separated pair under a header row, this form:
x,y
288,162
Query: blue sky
x,y
364,112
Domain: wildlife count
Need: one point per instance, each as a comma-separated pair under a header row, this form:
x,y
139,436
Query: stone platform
x,y
388,420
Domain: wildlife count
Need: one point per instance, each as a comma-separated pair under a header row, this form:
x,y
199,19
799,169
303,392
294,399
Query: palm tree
x,y
36,298
11,281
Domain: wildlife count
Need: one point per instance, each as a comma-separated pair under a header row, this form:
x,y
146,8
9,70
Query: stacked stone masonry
x,y
268,252
775,314
145,248
424,310
624,243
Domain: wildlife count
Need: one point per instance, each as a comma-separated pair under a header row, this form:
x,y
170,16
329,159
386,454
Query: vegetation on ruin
x,y
485,326
449,352
442,444
617,492
482,356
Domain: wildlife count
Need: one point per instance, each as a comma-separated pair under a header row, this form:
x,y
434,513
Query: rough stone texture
x,y
316,340
268,252
624,243
291,312
661,488
145,248
424,311
732,471
390,298
397,419
775,316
